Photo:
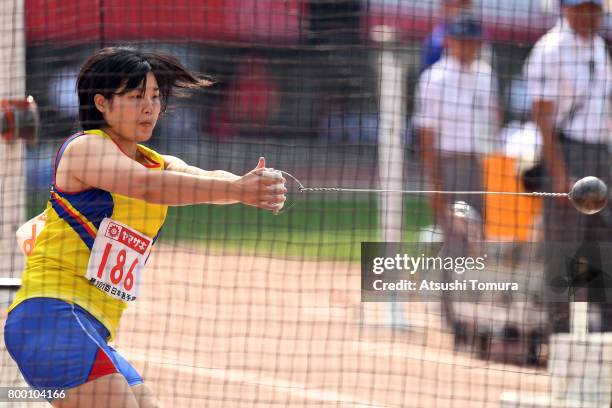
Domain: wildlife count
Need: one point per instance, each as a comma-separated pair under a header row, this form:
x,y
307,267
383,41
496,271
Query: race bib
x,y
29,232
117,259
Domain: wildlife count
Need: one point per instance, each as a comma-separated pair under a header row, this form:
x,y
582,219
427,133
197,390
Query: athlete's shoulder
x,y
84,147
88,143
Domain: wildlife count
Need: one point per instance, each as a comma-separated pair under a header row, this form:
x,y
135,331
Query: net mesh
x,y
239,307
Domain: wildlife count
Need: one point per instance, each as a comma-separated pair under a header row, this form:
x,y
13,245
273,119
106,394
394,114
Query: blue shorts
x,y
60,345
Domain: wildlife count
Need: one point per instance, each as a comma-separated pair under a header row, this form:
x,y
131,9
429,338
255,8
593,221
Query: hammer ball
x,y
589,195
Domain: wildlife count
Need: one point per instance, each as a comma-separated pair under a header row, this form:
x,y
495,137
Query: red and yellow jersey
x,y
57,265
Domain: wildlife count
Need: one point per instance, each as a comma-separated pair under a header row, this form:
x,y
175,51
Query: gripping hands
x,y
261,187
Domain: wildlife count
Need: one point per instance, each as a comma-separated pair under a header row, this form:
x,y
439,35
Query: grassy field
x,y
327,227
322,227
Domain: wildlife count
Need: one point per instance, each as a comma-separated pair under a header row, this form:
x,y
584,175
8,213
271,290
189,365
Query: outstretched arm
x,y
97,162
173,163
176,164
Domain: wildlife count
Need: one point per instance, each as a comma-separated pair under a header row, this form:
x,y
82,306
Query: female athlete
x,y
107,205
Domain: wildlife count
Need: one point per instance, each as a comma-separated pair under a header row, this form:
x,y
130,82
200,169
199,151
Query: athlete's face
x,y
133,115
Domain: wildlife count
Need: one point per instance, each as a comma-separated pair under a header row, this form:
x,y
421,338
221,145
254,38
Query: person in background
x,y
569,79
434,44
457,116
458,121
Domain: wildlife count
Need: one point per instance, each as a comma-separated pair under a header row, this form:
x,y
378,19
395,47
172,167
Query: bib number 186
x,y
117,259
116,273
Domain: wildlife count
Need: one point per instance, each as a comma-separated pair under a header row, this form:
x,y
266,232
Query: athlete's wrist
x,y
233,188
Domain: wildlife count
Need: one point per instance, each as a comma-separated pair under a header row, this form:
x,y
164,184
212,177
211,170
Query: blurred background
x,y
297,81
296,71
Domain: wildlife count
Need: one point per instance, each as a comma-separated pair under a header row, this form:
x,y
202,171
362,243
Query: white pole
x,y
391,124
12,154
390,128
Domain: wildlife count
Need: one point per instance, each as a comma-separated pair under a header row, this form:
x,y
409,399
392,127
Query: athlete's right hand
x,y
256,190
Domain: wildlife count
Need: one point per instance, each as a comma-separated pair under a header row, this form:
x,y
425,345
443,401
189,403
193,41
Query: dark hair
x,y
124,68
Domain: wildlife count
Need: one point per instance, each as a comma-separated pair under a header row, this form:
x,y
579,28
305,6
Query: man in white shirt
x,y
569,77
457,116
458,119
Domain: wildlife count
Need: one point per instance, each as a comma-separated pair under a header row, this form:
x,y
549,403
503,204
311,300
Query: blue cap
x,y
579,2
465,26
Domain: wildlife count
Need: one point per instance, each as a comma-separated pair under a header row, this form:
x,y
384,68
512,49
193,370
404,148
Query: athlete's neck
x,y
128,147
